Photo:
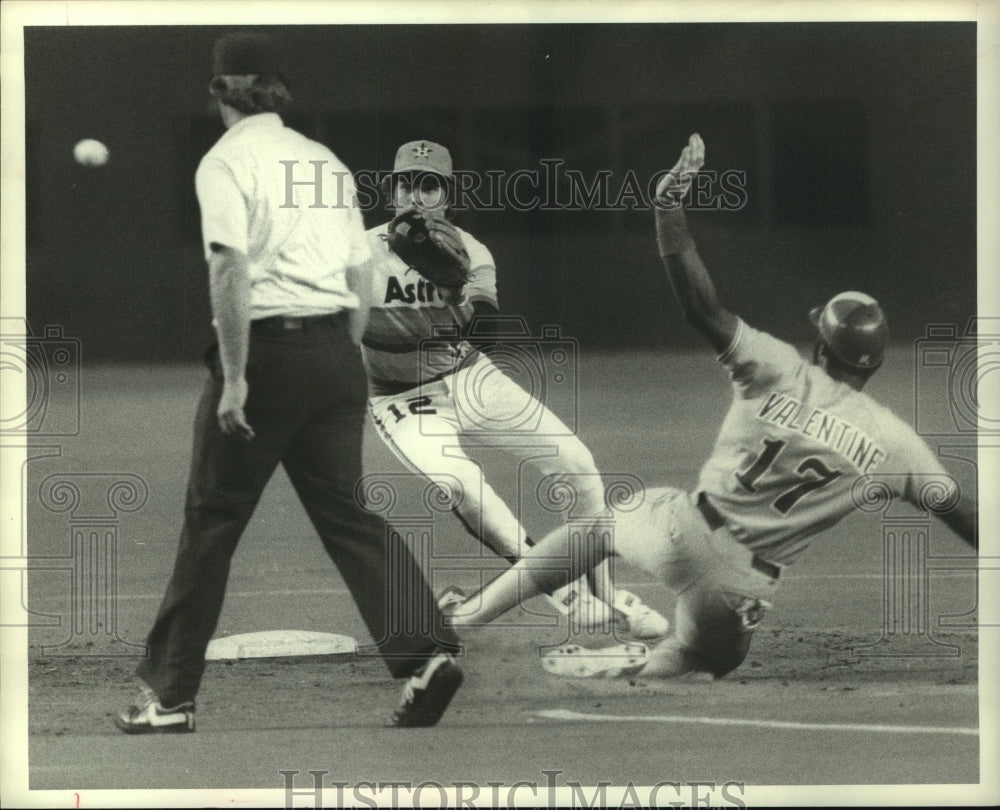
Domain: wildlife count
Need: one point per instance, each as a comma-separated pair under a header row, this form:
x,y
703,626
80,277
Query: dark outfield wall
x,y
857,143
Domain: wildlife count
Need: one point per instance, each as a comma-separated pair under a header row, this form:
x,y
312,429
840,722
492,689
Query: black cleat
x,y
147,716
428,692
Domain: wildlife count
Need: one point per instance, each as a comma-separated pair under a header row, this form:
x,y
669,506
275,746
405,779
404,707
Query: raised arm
x,y
688,275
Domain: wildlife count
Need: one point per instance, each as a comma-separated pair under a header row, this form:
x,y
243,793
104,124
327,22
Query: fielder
x,y
430,277
799,439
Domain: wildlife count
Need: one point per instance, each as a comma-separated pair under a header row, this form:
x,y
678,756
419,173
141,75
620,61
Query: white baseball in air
x,y
90,152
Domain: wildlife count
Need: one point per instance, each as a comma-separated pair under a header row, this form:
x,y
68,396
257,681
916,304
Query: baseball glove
x,y
432,246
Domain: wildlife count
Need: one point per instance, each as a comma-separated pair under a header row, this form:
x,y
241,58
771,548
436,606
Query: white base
x,y
279,643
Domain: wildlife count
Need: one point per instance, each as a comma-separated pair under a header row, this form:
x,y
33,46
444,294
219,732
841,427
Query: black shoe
x,y
147,716
428,692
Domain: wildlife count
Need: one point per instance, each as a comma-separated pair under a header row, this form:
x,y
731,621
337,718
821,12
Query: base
x,y
280,644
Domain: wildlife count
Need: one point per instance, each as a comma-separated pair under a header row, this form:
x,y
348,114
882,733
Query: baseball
x,y
89,152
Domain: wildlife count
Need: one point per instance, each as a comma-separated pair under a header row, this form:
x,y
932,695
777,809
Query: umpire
x,y
286,385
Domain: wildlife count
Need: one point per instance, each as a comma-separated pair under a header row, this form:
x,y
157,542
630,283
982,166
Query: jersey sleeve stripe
x,y
728,351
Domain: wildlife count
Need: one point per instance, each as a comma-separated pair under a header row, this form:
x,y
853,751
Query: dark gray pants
x,y
306,404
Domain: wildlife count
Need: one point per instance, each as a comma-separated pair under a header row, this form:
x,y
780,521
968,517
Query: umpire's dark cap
x,y
244,53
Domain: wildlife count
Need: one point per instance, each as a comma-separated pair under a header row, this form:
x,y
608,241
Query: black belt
x,y
283,324
388,388
714,520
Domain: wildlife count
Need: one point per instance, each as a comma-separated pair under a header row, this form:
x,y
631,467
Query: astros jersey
x,y
406,309
795,442
254,198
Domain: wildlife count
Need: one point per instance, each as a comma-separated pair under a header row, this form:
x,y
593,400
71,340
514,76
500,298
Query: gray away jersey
x,y
795,442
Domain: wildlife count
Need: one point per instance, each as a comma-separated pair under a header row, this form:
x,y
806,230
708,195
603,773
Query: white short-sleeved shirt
x,y
406,309
288,204
795,442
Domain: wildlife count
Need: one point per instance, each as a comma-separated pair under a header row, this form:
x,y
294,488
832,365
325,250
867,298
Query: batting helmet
x,y
854,330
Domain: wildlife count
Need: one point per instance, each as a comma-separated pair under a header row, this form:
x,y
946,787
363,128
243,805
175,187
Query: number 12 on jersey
x,y
418,406
812,474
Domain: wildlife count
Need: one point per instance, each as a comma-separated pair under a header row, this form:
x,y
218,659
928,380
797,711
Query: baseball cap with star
x,y
423,156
